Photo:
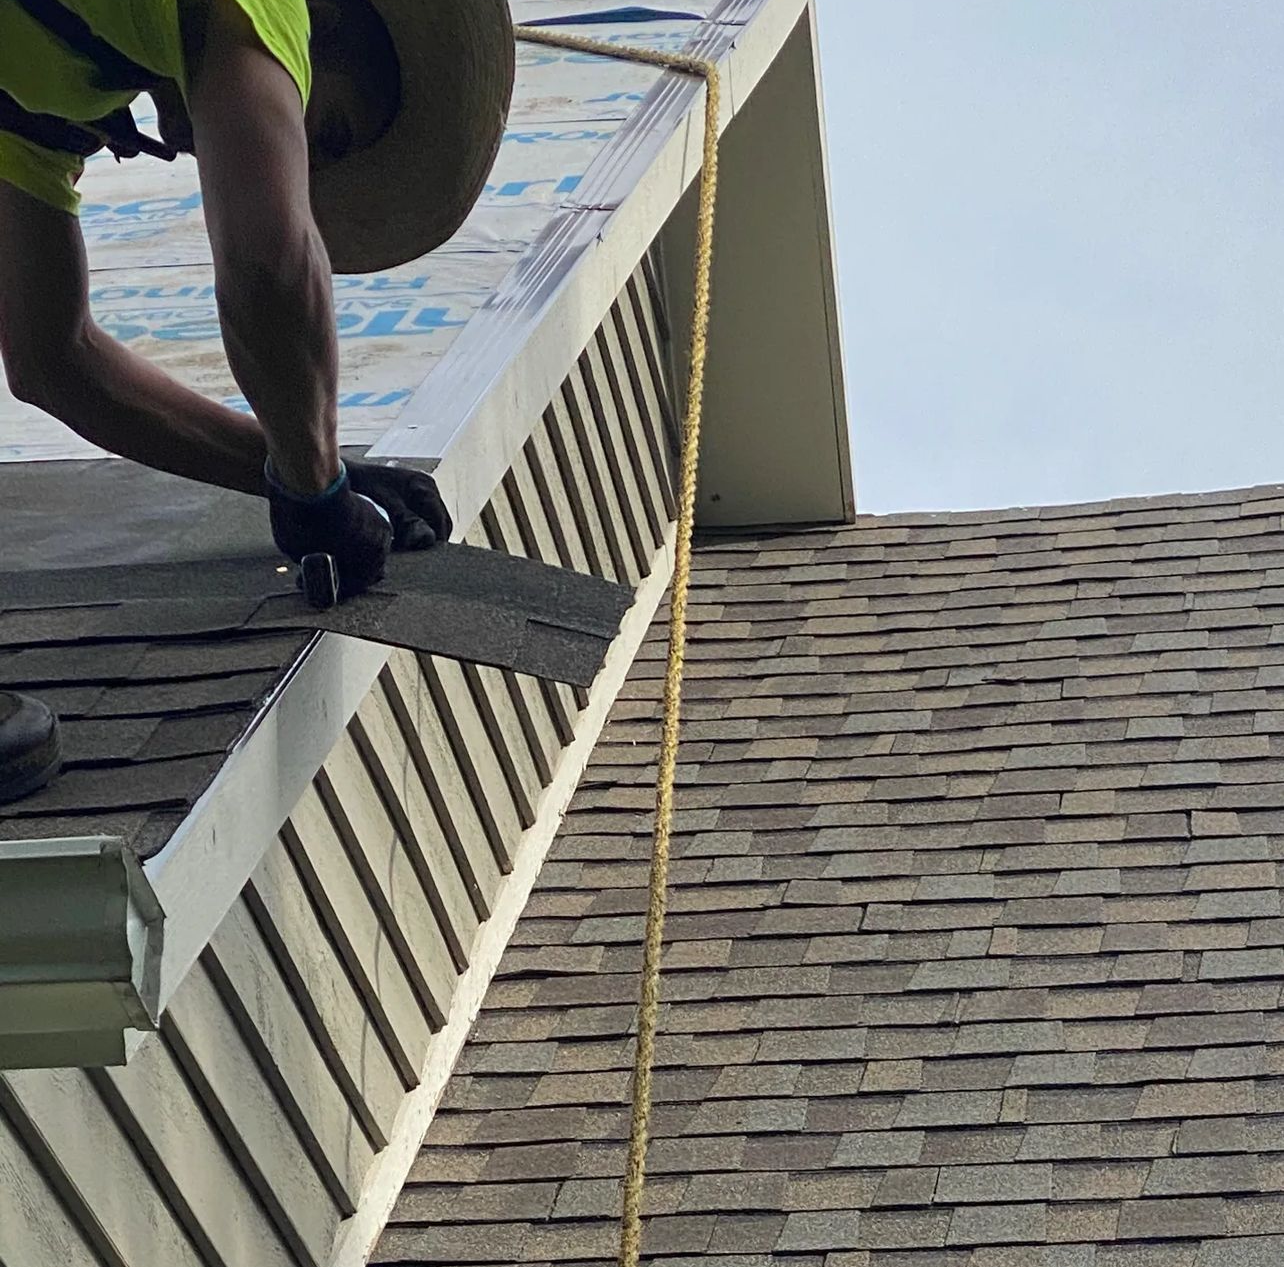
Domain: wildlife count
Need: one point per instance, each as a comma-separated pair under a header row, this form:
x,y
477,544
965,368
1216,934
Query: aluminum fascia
x,y
503,368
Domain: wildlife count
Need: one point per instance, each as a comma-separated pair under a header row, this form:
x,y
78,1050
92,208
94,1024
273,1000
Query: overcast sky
x,y
1060,229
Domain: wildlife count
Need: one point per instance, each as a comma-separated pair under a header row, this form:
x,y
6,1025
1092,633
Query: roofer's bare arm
x,y
58,359
272,281
271,271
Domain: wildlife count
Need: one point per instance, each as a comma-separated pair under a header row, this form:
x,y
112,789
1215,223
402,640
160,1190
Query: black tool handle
x,y
319,579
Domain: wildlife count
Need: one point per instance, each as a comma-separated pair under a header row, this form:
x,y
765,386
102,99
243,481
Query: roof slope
x,y
594,154
976,943
146,721
146,724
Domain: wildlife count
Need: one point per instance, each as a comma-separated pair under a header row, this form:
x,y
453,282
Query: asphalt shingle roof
x,y
148,714
976,941
146,724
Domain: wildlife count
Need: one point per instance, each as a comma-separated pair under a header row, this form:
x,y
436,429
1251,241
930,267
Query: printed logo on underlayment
x,y
137,220
530,193
573,136
369,316
151,217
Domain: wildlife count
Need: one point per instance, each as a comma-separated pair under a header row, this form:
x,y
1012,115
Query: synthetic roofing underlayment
x,y
152,276
976,940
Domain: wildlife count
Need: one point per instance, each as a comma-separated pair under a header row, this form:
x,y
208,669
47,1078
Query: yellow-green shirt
x,y
46,77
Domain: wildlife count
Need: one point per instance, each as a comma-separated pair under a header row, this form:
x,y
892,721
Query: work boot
x,y
30,748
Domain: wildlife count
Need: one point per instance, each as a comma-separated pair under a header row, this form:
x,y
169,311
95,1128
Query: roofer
x,y
346,134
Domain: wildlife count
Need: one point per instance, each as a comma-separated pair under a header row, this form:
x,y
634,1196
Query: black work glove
x,y
419,516
338,522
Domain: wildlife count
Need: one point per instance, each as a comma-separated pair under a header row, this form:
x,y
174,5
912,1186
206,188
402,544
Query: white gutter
x,y
80,952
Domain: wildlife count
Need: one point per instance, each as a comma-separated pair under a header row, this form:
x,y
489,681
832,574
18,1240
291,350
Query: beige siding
x,y
427,739
260,1005
331,1005
34,1226
451,889
359,935
489,689
101,1167
556,500
243,1133
382,858
191,1160
230,1079
489,792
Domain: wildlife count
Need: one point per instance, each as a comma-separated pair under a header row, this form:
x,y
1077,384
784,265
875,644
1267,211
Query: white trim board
x,y
517,350
775,446
206,863
386,1178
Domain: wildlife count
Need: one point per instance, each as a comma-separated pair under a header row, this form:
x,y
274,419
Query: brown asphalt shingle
x,y
976,942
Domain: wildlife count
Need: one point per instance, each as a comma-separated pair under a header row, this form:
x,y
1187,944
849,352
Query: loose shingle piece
x,y
459,601
975,947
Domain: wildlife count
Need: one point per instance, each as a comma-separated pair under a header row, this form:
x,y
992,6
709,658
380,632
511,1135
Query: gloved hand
x,y
338,522
419,516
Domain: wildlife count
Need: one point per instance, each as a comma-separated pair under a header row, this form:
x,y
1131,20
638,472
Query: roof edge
x,y
206,863
475,411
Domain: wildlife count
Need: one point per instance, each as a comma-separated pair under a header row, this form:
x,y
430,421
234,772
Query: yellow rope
x,y
648,1012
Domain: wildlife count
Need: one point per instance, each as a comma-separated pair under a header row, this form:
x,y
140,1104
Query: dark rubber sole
x,y
23,773
15,784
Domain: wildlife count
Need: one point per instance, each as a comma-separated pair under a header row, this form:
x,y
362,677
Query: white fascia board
x,y
81,932
775,447
206,863
468,423
831,296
